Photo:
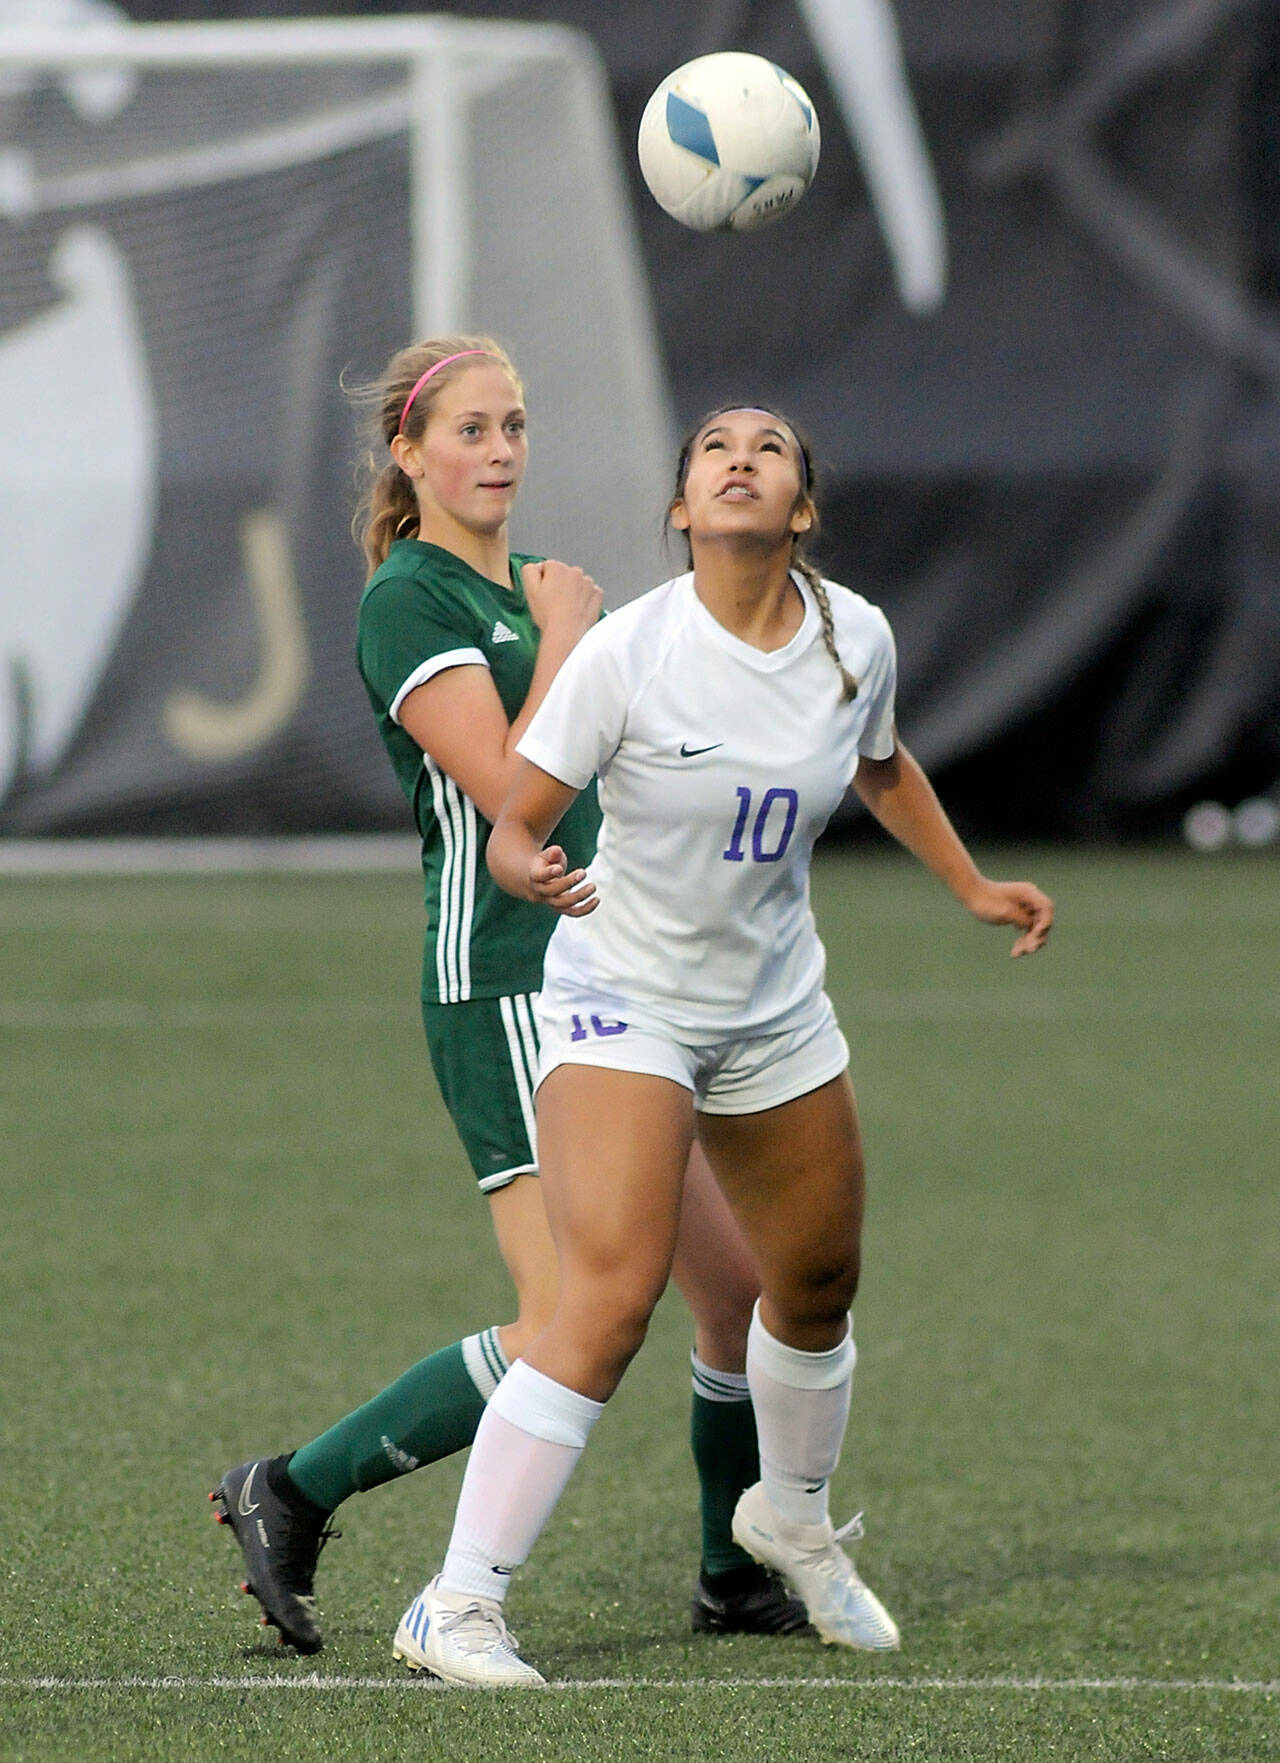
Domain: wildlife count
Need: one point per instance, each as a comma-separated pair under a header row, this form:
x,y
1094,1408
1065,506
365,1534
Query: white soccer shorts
x,y
742,1076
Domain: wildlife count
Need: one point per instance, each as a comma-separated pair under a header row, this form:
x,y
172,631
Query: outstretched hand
x,y
1018,903
564,890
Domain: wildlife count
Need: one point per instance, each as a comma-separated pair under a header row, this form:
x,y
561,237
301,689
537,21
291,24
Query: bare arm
x,y
901,797
521,861
457,716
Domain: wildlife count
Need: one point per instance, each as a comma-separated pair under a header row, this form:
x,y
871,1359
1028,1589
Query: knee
x,y
722,1323
537,1306
830,1287
621,1337
721,1294
515,1337
609,1323
820,1294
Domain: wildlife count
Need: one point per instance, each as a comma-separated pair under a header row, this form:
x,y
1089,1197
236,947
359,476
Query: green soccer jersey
x,y
423,611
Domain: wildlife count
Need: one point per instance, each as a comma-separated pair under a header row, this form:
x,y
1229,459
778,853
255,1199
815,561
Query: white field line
x,y
322,853
312,1680
119,1013
1170,1005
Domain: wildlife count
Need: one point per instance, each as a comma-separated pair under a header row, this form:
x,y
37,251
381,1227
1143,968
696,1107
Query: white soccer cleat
x,y
462,1639
811,1561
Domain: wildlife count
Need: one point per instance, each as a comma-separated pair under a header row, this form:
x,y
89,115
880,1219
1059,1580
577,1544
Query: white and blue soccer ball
x,y
729,140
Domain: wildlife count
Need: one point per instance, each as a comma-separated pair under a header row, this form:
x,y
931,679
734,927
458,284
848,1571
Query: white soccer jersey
x,y
719,765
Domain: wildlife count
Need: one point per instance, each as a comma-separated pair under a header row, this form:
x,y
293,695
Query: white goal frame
x,y
449,63
445,57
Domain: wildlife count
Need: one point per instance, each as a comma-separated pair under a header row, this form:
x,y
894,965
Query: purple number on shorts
x,y
602,1025
735,852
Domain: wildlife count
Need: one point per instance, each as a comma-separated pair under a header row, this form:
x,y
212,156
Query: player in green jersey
x,y
458,640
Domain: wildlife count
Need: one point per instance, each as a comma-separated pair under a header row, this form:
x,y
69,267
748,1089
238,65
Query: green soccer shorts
x,y
485,1056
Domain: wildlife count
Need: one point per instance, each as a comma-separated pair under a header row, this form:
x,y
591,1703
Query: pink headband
x,y
408,403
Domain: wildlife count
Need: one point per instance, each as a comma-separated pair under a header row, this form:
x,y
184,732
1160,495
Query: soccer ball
x,y
728,140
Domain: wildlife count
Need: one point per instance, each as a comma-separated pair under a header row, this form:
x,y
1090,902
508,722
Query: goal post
x,y
209,225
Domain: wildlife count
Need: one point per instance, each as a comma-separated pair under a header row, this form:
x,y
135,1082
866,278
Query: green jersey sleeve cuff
x,y
429,668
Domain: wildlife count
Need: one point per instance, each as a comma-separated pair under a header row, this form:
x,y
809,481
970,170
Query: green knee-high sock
x,y
429,1412
727,1454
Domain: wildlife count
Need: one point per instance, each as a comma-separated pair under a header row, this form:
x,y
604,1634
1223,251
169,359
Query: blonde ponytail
x,y
389,511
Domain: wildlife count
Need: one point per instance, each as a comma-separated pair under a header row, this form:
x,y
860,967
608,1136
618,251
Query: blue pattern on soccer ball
x,y
728,140
690,127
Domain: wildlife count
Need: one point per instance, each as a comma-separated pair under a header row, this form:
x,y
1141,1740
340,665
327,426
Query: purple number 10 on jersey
x,y
767,845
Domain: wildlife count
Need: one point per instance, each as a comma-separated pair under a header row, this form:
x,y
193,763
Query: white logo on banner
x,y
77,496
861,49
95,93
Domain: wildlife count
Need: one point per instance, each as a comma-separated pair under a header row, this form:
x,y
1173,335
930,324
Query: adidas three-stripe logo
x,y
503,633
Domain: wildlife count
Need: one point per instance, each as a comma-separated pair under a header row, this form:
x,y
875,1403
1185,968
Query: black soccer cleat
x,y
746,1600
280,1538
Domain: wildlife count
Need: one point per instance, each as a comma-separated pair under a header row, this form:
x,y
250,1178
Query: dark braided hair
x,y
800,558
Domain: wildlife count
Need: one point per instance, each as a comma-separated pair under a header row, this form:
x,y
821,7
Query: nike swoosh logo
x,y
687,752
245,1509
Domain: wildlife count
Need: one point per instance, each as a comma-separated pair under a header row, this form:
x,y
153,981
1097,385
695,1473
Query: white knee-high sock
x,y
530,1437
802,1407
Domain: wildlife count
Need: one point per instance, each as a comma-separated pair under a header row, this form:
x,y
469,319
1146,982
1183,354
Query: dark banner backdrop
x,y
1062,484
225,698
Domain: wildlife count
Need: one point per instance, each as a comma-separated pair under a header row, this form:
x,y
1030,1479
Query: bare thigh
x,y
613,1146
713,1266
794,1178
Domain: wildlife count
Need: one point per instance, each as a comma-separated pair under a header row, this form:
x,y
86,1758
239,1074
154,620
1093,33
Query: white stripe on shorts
x,y
522,1047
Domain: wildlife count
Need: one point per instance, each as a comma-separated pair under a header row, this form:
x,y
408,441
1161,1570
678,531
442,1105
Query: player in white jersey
x,y
719,765
725,714
457,640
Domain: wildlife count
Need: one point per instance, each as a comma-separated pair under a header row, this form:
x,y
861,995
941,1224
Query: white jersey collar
x,y
765,661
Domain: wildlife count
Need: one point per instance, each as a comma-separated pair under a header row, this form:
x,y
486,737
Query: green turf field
x,y
233,1208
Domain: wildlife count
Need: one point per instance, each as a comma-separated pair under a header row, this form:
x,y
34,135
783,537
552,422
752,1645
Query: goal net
x,y
204,229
